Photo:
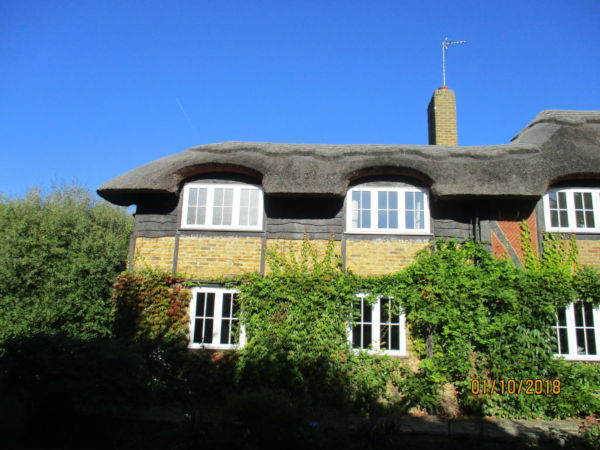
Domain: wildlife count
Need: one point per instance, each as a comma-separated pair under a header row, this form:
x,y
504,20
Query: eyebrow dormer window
x,y
572,210
222,207
387,210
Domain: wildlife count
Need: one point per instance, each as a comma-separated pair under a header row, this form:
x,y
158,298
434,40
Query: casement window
x,y
379,327
572,210
387,210
578,332
222,207
214,319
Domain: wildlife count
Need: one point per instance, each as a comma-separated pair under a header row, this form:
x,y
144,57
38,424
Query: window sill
x,y
588,358
213,347
391,353
574,230
218,228
391,232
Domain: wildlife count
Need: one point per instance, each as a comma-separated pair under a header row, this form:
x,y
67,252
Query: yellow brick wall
x,y
445,117
589,253
376,257
213,257
154,252
284,245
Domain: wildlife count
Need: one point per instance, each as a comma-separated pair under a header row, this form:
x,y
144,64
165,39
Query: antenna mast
x,y
445,45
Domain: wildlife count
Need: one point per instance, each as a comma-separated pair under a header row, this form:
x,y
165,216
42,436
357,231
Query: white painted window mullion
x,y
235,206
571,333
210,197
376,327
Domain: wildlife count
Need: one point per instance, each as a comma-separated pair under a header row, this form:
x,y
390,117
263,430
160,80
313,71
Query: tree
x,y
59,255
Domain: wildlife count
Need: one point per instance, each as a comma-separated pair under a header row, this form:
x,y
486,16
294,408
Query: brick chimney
x,y
442,118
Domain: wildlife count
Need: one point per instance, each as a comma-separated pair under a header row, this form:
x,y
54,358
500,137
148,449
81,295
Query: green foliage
x,y
296,320
151,305
590,429
59,254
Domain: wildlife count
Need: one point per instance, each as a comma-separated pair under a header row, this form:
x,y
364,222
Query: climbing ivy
x,y
470,316
152,306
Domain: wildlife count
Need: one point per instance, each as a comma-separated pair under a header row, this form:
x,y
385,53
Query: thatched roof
x,y
556,145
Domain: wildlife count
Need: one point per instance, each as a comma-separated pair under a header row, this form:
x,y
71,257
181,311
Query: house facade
x,y
213,211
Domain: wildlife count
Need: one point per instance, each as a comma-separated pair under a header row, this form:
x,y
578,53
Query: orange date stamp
x,y
515,387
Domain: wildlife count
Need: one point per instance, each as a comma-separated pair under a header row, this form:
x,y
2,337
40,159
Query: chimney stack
x,y
442,118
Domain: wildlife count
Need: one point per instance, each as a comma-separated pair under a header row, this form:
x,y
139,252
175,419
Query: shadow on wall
x,y
57,392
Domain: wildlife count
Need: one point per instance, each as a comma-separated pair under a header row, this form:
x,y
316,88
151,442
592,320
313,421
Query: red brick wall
x,y
512,232
498,249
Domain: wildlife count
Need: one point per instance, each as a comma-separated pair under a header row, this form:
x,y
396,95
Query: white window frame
x,y
572,228
374,228
217,320
572,354
376,330
210,195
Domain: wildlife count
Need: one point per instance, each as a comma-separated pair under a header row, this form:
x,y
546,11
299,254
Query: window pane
x,y
382,221
244,217
393,219
382,202
366,312
366,219
210,304
581,347
384,305
564,341
393,200
587,200
227,212
420,201
244,198
201,197
410,220
226,311
356,336
564,219
395,339
366,200
218,197
552,200
409,198
228,197
198,331
366,343
191,215
562,317
253,216
225,332
578,200
236,305
200,297
208,331
588,314
578,314
562,200
217,216
420,220
354,208
384,337
361,212
193,198
580,219
554,218
591,342
589,219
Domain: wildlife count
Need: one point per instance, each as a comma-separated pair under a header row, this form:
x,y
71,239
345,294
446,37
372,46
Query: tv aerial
x,y
445,46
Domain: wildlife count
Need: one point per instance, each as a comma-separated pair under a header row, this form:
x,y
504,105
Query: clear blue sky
x,y
91,89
